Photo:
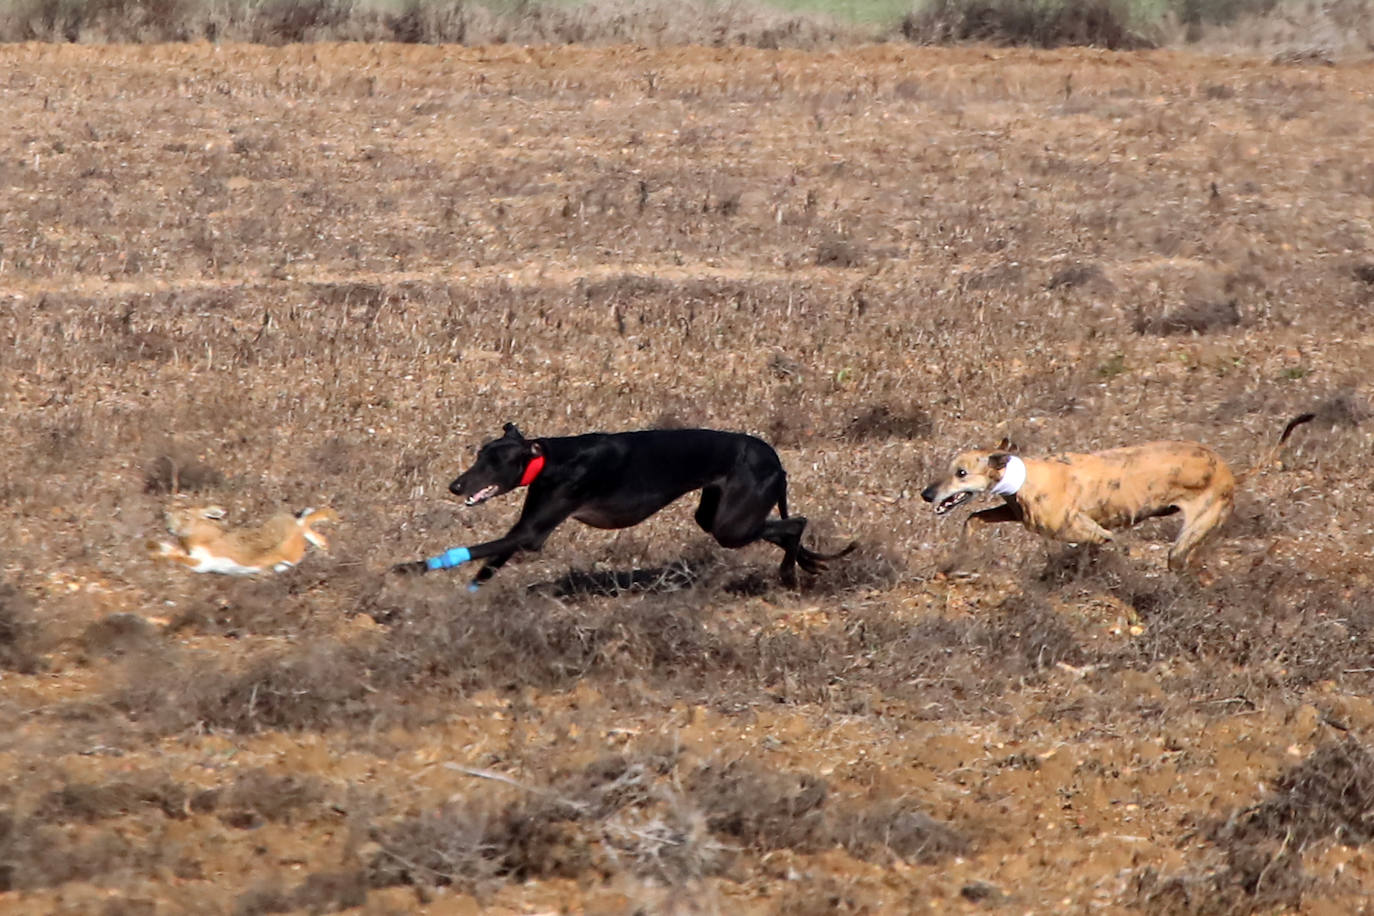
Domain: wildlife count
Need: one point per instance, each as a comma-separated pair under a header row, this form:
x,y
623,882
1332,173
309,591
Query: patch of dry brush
x,y
307,281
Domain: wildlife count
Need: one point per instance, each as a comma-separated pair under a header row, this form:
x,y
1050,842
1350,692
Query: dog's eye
x,y
961,473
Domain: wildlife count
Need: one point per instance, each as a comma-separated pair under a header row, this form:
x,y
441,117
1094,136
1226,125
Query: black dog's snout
x,y
456,488
928,494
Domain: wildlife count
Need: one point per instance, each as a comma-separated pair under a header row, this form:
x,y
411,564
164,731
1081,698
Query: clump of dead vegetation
x,y
670,641
277,22
92,802
316,689
1345,409
325,304
1100,23
888,421
259,796
123,825
18,632
321,892
34,854
180,472
1327,797
644,813
118,634
1280,626
1193,318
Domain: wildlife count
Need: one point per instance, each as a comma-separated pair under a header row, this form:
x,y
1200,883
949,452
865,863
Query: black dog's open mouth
x,y
954,499
482,495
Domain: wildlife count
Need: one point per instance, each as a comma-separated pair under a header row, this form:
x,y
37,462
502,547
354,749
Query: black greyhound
x,y
616,480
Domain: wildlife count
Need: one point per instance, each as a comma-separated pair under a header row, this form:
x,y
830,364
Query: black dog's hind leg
x,y
736,515
786,533
795,552
707,508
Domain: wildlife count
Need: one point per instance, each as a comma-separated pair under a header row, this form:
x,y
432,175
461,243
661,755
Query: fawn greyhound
x,y
616,480
1078,497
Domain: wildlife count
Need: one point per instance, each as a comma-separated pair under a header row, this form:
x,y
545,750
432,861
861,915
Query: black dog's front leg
x,y
496,553
489,569
529,533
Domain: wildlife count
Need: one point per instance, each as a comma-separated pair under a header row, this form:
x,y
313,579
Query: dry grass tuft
x,y
18,632
118,634
1326,797
884,421
765,809
841,252
319,688
1281,620
329,272
1329,795
180,473
322,892
553,831
1346,409
258,796
898,829
35,855
631,808
762,808
89,803
281,22
1088,275
1099,23
1195,318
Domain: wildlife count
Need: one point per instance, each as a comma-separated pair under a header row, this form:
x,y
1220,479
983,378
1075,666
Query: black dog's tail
x,y
814,563
808,560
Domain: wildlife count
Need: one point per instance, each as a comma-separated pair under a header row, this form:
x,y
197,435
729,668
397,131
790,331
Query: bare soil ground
x,y
324,274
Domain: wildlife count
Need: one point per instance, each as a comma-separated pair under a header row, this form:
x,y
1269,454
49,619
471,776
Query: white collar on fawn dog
x,y
1013,476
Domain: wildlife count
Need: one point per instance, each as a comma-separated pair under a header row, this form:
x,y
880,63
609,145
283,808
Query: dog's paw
x,y
414,568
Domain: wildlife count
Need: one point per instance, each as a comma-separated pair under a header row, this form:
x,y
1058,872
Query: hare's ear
x,y
1006,445
215,512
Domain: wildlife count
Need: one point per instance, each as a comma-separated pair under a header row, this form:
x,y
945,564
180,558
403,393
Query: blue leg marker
x,y
473,587
449,559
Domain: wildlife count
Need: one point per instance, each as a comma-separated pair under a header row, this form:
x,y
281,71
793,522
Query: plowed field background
x,y
324,274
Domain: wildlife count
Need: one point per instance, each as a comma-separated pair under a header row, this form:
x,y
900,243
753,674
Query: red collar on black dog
x,y
532,470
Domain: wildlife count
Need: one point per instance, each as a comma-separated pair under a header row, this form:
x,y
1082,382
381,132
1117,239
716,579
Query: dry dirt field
x,y
324,274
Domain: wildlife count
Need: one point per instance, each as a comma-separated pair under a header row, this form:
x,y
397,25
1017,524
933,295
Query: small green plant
x,y
1113,367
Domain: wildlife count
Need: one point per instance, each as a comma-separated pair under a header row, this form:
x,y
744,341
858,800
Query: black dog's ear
x,y
998,460
512,431
536,448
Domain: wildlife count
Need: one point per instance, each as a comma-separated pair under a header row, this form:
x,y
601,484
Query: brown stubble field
x,y
324,274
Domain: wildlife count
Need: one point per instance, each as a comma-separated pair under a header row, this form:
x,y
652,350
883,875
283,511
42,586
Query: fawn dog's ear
x,y
1006,445
512,431
998,460
215,512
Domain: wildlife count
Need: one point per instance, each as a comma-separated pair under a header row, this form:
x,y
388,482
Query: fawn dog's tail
x,y
1273,454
